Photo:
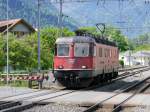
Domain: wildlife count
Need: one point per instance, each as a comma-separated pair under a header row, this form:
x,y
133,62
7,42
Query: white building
x,y
127,57
138,58
142,57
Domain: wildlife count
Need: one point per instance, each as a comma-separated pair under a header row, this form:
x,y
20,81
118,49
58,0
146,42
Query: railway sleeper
x,y
9,105
19,108
118,109
4,102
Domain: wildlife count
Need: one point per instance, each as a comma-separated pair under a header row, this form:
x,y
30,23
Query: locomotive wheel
x,y
106,77
115,74
96,80
101,78
110,76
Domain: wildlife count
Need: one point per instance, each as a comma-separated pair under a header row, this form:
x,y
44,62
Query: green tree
x,y
87,30
144,39
2,54
19,54
142,42
50,34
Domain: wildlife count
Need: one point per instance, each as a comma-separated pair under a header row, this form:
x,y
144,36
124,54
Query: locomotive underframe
x,y
74,78
81,78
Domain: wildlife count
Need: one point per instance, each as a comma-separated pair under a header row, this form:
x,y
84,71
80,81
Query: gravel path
x,y
137,109
8,91
130,109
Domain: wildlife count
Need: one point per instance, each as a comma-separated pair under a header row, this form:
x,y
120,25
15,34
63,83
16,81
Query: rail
x,y
100,104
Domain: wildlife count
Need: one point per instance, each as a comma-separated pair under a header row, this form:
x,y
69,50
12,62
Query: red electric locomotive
x,y
81,60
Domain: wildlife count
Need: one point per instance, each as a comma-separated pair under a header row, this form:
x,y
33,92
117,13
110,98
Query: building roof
x,y
142,54
13,22
136,54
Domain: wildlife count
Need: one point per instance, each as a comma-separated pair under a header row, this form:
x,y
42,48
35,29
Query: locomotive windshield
x,y
81,50
62,50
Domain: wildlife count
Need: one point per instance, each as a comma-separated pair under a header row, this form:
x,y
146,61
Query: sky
x,y
131,16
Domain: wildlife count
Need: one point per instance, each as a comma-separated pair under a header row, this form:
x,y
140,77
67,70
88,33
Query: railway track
x,y
29,100
120,77
118,107
18,102
131,70
128,69
23,101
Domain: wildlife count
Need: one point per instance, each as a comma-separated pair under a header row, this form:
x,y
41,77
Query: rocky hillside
x,y
27,9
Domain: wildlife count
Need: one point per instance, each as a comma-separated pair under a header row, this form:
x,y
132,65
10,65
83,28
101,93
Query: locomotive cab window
x,y
81,50
62,49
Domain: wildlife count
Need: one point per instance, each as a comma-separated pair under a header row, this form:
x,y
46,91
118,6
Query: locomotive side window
x,y
62,50
94,54
81,49
100,52
108,52
105,52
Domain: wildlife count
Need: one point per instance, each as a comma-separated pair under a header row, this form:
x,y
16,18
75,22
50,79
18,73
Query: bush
x,y
121,62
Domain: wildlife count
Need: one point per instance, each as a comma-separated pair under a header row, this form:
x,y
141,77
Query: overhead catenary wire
x,y
128,24
82,1
144,15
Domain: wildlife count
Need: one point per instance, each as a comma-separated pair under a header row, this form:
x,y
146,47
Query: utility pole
x,y
60,17
7,48
129,56
39,43
141,58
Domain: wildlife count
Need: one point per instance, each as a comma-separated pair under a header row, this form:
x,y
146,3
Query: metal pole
x,y
7,48
141,58
60,17
129,56
39,51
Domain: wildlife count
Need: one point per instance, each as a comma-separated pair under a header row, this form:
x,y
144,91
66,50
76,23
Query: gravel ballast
x,y
56,108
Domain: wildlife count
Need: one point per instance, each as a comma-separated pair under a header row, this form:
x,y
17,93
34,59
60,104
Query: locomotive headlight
x,y
84,67
60,67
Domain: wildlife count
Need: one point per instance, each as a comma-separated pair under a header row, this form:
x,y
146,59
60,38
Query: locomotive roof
x,y
80,39
84,39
